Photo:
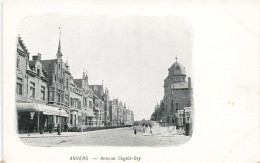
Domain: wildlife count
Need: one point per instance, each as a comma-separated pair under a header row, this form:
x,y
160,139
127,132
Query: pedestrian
x,y
150,128
135,131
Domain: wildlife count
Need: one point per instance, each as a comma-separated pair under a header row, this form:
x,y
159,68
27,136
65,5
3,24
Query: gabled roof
x,y
32,63
98,90
21,46
78,82
49,65
72,82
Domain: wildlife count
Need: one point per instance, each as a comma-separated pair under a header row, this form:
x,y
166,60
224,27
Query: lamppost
x,y
59,127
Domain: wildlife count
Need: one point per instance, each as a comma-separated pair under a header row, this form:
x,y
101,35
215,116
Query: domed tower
x,y
176,74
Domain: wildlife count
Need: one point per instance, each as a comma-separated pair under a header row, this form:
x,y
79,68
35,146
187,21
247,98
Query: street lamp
x,y
59,127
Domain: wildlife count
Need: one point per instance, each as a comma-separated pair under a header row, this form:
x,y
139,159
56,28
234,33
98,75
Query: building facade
x,y
48,97
177,95
113,108
177,92
33,112
87,100
59,76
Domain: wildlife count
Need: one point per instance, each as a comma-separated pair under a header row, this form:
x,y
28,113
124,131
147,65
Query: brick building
x,y
47,95
32,94
99,110
87,100
75,103
120,113
177,93
113,111
58,74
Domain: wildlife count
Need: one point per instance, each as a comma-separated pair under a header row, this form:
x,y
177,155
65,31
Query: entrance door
x,y
75,120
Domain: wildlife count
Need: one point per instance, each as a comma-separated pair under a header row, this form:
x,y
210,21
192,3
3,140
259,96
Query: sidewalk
x,y
63,134
46,134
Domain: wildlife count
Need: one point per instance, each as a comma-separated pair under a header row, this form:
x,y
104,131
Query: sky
x,y
131,54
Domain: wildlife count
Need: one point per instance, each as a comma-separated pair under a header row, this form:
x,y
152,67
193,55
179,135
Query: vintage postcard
x,y
130,82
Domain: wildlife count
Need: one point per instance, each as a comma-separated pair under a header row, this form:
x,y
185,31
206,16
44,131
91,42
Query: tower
x,y
176,74
84,76
59,54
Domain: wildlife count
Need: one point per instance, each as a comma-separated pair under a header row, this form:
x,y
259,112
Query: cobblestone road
x,y
112,137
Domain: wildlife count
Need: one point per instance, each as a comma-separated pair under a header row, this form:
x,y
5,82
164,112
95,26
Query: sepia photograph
x,y
104,81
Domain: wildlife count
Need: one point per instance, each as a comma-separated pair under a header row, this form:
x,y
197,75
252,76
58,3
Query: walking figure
x,y
135,131
150,128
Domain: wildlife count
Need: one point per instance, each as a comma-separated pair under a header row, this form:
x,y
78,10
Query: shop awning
x,y
46,109
88,113
74,109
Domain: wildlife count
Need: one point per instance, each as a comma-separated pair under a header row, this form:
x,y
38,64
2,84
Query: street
x,y
112,137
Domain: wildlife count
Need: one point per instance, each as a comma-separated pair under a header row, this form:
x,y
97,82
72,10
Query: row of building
x,y
47,94
176,107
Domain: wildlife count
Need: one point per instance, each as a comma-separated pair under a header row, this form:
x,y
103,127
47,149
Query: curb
x,y
81,133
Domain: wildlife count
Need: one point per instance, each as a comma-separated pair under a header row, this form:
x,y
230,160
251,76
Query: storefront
x,y
33,117
88,114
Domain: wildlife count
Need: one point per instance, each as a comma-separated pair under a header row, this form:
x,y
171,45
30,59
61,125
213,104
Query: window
x,y
71,102
71,116
38,72
67,84
54,77
173,120
177,106
188,104
19,86
32,90
59,66
79,104
57,119
51,96
172,105
67,100
58,96
90,104
18,62
43,93
62,98
177,68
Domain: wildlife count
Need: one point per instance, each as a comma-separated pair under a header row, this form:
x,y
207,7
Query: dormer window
x,y
38,72
177,68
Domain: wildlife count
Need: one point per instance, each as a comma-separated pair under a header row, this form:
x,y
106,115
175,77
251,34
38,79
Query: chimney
x,y
37,57
189,83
